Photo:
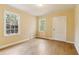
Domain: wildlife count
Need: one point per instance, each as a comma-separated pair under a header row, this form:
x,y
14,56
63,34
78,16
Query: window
x,y
42,24
11,23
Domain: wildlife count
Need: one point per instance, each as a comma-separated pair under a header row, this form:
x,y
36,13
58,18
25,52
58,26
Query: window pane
x,y
16,30
42,24
8,31
7,26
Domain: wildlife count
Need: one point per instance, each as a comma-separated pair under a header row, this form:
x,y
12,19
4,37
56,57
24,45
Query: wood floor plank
x,y
41,47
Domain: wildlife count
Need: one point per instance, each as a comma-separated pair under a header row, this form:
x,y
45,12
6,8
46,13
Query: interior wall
x,y
77,28
27,23
70,24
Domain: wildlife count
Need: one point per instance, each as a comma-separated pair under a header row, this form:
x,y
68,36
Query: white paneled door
x,y
59,28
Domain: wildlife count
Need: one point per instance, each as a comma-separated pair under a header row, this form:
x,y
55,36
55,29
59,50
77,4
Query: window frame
x,y
42,18
5,29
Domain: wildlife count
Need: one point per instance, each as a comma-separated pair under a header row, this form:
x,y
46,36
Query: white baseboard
x,y
77,48
59,40
68,41
7,45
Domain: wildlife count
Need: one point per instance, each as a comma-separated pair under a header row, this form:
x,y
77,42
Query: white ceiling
x,y
42,10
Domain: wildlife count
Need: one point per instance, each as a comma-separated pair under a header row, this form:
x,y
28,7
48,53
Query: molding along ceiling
x,y
39,10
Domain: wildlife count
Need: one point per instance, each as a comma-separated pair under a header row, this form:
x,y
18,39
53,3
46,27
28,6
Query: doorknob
x,y
53,29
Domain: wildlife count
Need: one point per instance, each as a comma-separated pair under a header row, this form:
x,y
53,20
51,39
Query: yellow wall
x,y
25,24
70,24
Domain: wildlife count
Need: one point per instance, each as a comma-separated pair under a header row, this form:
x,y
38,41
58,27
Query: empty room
x,y
39,29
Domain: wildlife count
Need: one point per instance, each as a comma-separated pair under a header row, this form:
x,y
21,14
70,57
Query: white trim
x,y
7,45
77,48
58,40
69,42
66,41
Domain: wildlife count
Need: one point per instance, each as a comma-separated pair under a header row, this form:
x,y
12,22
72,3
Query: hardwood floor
x,y
40,47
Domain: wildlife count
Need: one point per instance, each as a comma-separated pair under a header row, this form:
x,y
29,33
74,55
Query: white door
x,y
59,28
